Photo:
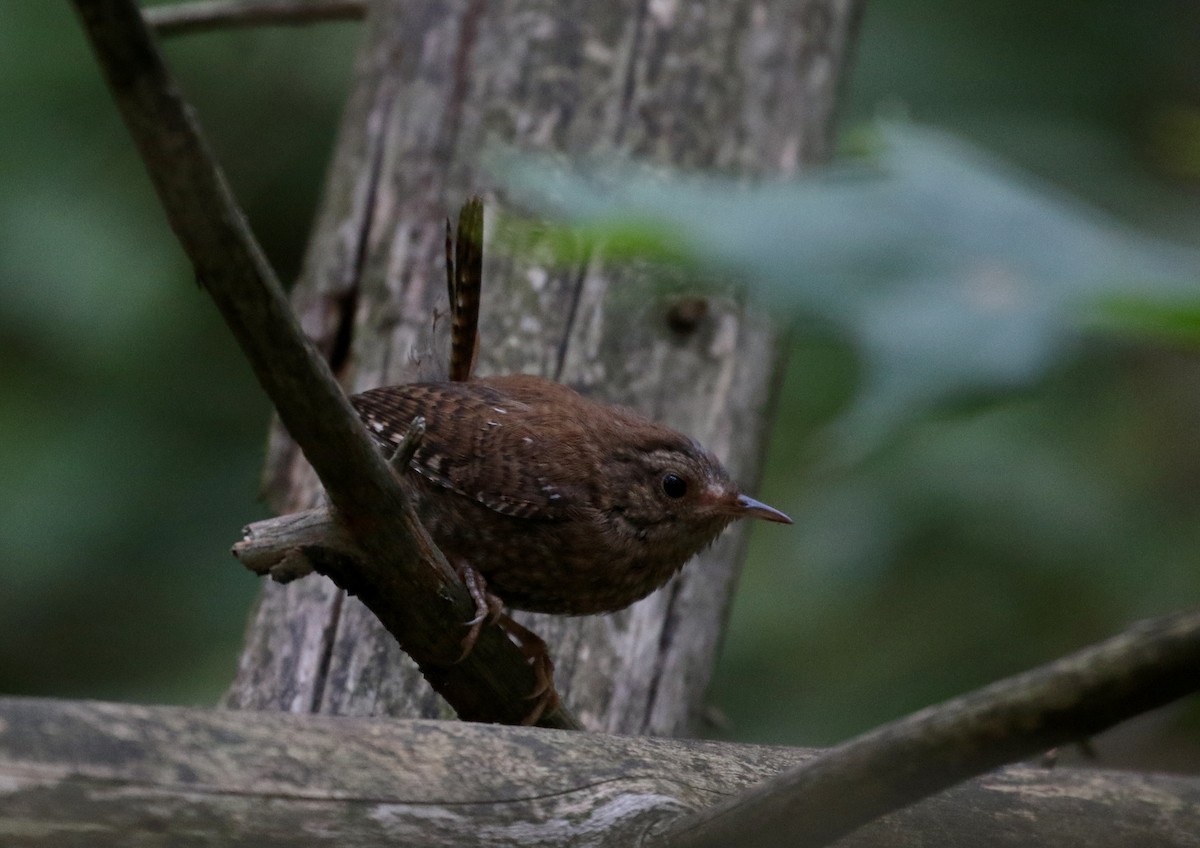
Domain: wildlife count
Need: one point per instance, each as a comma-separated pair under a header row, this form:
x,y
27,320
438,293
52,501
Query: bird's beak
x,y
748,507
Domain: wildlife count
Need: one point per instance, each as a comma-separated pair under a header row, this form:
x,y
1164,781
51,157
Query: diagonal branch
x,y
204,15
406,582
814,804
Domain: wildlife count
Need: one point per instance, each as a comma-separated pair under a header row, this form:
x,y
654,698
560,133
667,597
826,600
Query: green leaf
x,y
950,272
1173,323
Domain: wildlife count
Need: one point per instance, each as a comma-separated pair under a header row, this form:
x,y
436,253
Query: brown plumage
x,y
564,505
464,280
540,498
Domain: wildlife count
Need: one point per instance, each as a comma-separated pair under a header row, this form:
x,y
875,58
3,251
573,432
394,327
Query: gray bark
x,y
91,774
747,88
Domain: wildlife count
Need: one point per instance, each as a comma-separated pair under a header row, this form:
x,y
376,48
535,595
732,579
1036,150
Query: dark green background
x,y
985,540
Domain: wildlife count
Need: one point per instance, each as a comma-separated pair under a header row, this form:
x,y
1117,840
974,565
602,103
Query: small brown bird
x,y
540,498
563,505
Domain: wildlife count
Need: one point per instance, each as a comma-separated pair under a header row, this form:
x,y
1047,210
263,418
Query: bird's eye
x,y
674,486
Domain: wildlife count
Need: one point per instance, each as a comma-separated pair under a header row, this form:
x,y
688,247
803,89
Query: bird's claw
x,y
489,609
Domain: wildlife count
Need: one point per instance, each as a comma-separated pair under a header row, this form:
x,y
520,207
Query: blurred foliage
x,y
997,458
990,528
131,429
950,274
995,535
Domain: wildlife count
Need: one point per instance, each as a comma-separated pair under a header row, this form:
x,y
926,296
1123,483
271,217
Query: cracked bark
x,y
747,88
94,775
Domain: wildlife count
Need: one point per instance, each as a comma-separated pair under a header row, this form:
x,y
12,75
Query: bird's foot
x,y
534,647
488,607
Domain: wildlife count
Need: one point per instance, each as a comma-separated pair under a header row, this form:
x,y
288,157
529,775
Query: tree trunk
x,y
747,88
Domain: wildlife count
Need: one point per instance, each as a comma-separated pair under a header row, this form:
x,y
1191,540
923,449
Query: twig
x,y
406,582
899,763
205,15
283,547
409,442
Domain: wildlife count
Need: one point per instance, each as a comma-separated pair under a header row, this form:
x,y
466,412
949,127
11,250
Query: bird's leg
x,y
488,607
534,647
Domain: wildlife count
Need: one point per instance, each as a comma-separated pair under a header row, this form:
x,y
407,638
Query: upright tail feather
x,y
464,278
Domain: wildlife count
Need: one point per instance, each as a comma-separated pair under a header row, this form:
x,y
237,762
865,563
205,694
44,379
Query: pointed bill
x,y
748,507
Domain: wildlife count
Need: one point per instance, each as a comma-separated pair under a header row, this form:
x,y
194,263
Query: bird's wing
x,y
479,443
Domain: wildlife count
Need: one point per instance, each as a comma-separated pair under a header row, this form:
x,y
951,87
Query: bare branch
x,y
408,445
281,547
205,15
405,580
1150,664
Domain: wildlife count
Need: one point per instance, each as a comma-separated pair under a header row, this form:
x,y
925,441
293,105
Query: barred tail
x,y
464,276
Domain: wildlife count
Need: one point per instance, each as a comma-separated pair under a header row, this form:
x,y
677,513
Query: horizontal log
x,y
97,774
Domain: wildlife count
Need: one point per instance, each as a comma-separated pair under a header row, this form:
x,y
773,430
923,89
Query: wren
x,y
563,505
540,498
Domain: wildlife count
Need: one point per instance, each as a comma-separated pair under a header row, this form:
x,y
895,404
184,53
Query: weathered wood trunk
x,y
747,88
78,773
